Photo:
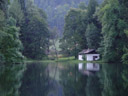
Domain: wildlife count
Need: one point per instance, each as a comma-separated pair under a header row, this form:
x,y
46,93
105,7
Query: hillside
x,y
57,9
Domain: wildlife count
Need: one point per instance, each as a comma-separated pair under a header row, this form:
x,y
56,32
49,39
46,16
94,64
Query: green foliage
x,y
2,20
93,31
82,29
125,56
74,31
34,32
16,12
113,26
57,10
91,10
82,6
92,36
10,44
126,32
10,79
4,7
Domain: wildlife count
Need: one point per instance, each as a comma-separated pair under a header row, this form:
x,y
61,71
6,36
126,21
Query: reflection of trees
x,y
93,86
125,79
34,82
10,79
73,82
111,80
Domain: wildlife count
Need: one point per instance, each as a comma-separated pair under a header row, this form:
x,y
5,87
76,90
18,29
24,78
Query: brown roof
x,y
88,51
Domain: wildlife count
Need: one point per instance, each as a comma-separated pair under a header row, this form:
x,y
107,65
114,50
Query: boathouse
x,y
88,55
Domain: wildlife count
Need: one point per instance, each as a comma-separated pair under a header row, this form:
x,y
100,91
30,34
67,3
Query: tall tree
x,y
57,10
16,12
74,30
10,44
113,26
4,6
93,36
34,32
93,31
91,10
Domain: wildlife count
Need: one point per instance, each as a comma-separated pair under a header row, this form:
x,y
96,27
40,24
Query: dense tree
x,y
124,7
113,18
74,30
15,8
57,9
34,31
82,29
93,31
10,44
34,38
93,36
4,7
91,10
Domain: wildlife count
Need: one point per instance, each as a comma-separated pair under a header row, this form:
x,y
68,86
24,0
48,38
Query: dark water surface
x,y
64,79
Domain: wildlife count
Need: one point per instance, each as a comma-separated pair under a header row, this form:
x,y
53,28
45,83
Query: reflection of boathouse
x,y
92,67
89,68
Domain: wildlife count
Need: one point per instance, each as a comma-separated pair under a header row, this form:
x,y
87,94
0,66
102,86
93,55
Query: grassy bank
x,y
64,59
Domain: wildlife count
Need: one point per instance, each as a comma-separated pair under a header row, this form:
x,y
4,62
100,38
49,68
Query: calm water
x,y
56,79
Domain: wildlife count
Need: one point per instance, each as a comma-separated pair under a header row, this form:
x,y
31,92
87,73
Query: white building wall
x,y
90,57
80,57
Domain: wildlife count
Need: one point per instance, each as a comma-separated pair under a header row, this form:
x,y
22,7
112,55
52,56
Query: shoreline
x,y
64,59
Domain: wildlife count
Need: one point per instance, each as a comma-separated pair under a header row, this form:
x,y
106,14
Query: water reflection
x,y
88,68
72,81
35,81
57,79
10,79
111,80
92,67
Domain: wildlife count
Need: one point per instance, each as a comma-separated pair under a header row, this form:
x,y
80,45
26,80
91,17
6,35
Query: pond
x,y
63,79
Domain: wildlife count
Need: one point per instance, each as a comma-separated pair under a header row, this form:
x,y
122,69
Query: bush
x,y
125,58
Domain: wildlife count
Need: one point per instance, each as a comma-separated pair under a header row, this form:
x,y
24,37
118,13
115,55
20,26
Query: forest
x,y
102,27
25,31
30,29
56,11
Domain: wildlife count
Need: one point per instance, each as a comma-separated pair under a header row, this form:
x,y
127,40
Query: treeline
x,y
57,9
102,27
10,44
22,21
